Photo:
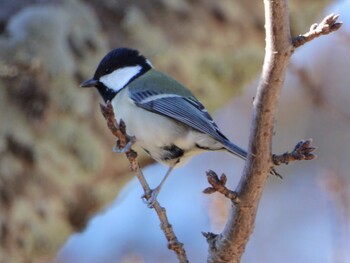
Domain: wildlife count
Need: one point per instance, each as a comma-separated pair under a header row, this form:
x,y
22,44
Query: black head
x,y
116,70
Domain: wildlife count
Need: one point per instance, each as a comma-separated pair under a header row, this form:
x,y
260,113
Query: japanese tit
x,y
167,120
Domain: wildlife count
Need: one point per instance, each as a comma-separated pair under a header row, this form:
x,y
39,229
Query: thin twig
x,y
108,114
119,130
328,25
219,185
302,151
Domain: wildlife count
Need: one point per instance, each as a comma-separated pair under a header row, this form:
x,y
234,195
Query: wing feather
x,y
183,109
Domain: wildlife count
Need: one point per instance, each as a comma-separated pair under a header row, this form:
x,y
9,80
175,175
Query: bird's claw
x,y
150,198
127,147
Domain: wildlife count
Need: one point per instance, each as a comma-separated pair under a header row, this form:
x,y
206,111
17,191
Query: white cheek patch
x,y
120,77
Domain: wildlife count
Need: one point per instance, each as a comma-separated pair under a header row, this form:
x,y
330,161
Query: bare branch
x,y
230,244
302,151
328,25
108,114
119,130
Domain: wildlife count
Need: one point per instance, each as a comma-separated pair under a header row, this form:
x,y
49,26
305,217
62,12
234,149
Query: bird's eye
x,y
107,70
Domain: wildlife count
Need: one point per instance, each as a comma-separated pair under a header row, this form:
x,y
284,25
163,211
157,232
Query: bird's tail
x,y
236,150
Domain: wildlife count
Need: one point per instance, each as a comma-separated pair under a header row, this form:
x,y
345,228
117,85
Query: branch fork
x,y
302,151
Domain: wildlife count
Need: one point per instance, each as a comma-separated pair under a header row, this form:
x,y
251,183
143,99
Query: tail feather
x,y
236,150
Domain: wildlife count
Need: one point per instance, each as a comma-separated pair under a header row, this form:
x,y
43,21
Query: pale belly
x,y
145,125
155,132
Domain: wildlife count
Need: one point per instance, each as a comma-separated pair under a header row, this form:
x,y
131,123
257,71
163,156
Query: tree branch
x,y
219,185
230,244
328,25
302,151
119,130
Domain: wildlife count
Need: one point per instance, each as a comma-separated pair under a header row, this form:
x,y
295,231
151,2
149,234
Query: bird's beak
x,y
89,83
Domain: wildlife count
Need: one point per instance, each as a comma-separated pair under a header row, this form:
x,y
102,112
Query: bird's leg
x,y
154,193
130,141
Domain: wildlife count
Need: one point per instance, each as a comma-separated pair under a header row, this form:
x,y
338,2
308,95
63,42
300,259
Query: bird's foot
x,y
130,141
150,198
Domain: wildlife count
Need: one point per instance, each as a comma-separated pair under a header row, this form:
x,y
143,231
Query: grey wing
x,y
186,110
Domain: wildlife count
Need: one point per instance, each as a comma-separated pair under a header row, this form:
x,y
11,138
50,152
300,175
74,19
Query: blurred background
x,y
61,187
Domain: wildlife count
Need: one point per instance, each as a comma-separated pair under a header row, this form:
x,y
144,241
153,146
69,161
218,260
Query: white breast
x,y
154,131
151,130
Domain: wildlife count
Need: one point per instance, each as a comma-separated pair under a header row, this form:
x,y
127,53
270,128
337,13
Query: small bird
x,y
169,123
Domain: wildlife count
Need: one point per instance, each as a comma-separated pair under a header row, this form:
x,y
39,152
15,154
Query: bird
x,y
167,121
